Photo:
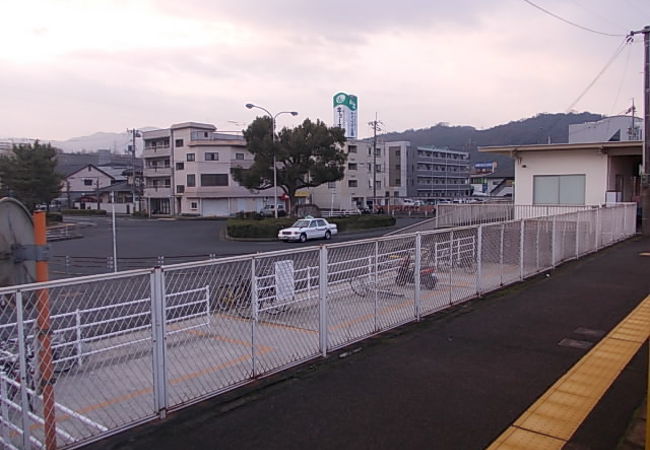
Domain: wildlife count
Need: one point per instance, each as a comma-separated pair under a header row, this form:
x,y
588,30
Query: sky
x,y
74,67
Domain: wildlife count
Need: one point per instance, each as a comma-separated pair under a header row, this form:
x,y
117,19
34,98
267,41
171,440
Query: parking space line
x,y
552,420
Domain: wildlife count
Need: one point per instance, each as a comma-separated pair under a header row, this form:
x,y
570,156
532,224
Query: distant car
x,y
408,202
269,210
308,228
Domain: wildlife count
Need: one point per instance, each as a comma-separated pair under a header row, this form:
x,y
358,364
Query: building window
x,y
190,157
559,189
331,184
180,166
239,156
212,156
352,183
352,148
378,184
352,166
88,182
214,179
178,143
194,205
180,189
191,180
378,152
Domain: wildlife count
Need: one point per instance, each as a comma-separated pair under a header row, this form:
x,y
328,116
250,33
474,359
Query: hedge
x,y
268,228
84,212
252,228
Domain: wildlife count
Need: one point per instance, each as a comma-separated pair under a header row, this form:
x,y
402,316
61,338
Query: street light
x,y
275,170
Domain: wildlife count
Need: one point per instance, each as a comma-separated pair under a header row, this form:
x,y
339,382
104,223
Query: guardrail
x,y
171,336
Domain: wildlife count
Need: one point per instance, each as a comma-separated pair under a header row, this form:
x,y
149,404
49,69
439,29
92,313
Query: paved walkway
x,y
457,380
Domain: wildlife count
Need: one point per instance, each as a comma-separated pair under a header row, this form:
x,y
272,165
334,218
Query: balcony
x,y
158,171
160,150
157,191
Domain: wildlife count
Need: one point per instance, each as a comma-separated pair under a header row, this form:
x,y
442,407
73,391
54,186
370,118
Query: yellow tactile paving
x,y
518,439
551,421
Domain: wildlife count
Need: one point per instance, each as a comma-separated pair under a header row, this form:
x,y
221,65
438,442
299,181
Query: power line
x,y
618,51
620,86
571,23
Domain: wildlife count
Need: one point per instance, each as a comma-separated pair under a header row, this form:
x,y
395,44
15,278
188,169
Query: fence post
x,y
254,314
207,304
479,259
451,266
4,409
503,228
553,249
375,268
521,248
77,320
22,365
158,337
322,300
577,234
537,226
598,229
418,265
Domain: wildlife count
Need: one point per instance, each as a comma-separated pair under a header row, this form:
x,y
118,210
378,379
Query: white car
x,y
308,228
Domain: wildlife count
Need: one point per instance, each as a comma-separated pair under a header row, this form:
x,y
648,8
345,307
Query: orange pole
x,y
45,363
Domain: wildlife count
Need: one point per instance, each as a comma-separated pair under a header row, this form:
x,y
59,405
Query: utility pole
x,y
645,176
376,125
134,133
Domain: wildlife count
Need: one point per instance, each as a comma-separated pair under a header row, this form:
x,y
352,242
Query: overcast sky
x,y
73,67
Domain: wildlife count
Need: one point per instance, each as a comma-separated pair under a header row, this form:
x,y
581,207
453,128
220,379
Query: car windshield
x,y
301,224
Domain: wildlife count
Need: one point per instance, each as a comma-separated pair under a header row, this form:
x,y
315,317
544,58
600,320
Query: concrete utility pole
x,y
376,125
134,133
645,176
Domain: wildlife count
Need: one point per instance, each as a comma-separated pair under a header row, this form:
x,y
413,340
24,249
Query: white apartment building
x,y
356,190
187,170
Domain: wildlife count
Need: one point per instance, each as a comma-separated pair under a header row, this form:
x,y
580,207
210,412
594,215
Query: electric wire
x,y
571,23
619,49
600,16
620,85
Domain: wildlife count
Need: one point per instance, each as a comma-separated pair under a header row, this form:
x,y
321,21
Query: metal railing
x,y
145,342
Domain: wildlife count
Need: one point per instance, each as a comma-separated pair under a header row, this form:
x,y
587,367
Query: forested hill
x,y
534,130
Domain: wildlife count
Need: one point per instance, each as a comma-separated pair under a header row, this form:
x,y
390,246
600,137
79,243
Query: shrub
x,y
54,217
257,228
84,212
363,222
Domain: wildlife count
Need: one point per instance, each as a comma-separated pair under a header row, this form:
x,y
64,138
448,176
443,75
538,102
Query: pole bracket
x,y
30,252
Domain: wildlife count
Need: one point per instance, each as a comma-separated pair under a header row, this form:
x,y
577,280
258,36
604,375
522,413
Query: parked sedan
x,y
308,228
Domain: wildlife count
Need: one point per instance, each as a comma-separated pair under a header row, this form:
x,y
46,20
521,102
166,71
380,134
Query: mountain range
x,y
540,129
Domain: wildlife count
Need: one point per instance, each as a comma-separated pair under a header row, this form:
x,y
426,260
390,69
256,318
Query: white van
x,y
269,210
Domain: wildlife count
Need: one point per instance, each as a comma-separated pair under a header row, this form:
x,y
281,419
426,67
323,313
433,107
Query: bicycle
x,y
236,297
364,286
10,370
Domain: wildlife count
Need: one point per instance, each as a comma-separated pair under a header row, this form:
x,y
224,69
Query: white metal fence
x,y
131,346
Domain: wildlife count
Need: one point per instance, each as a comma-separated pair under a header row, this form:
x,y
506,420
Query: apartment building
x,y
438,173
187,170
386,167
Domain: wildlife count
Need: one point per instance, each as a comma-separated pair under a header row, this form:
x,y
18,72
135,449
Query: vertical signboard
x,y
345,113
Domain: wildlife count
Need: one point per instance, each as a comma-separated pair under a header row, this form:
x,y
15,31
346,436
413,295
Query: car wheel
x,y
303,237
328,235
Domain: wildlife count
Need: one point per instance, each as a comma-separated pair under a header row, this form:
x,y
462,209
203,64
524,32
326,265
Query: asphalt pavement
x,y
140,238
455,380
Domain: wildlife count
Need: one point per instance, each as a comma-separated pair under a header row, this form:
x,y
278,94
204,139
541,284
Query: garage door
x,y
217,207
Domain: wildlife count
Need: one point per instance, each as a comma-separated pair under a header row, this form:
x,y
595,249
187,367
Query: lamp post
x,y
275,169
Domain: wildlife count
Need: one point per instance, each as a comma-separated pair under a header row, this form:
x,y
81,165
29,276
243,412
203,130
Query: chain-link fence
x,y
89,356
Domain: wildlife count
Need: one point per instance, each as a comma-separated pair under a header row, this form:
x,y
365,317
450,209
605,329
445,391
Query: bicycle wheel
x,y
360,285
229,299
469,265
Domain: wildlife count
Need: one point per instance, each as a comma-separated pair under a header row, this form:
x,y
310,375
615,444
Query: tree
x,y
307,156
29,175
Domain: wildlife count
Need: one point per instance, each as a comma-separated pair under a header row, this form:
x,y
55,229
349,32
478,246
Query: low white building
x,y
574,173
614,129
